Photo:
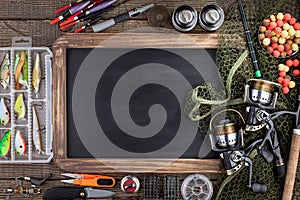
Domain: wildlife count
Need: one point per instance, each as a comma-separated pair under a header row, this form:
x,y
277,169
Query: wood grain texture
x,y
139,165
31,18
292,168
42,34
45,9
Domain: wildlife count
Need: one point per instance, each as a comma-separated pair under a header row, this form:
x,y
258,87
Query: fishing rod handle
x,y
292,166
298,93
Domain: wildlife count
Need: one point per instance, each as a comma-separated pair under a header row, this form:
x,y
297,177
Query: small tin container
x,y
211,17
184,18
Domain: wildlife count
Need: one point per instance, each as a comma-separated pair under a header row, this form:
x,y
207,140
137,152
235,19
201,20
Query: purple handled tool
x,y
99,7
71,11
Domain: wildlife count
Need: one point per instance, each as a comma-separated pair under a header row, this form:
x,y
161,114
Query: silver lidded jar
x,y
184,18
211,17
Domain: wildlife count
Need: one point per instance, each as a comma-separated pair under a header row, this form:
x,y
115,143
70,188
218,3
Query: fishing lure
x,y
5,144
4,71
18,69
36,135
4,114
36,74
19,107
23,78
20,145
17,59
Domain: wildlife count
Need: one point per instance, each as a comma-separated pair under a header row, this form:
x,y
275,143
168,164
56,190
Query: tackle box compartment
x,y
35,124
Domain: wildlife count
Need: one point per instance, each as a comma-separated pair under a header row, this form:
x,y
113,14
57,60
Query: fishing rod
x,y
293,157
249,40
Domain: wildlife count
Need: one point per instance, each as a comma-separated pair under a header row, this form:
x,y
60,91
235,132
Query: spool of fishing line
x,y
196,186
159,16
130,184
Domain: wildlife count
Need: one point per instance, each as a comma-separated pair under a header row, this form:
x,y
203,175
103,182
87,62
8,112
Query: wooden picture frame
x,y
141,40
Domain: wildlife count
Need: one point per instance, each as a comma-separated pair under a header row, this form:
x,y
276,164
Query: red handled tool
x,y
67,6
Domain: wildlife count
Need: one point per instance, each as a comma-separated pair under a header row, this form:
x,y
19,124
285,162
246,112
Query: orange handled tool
x,y
91,180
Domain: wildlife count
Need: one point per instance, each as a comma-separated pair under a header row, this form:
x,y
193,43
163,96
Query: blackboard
x,y
152,71
118,101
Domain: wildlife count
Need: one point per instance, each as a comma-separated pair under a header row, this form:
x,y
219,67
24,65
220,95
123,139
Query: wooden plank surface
x,y
44,34
43,9
31,18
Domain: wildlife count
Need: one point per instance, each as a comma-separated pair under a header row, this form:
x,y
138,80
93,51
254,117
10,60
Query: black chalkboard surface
x,y
129,102
142,64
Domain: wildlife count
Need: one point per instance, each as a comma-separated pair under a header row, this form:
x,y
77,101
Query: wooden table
x,y
31,18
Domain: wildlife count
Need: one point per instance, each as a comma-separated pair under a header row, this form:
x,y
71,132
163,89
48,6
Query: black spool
x,y
159,16
211,17
184,18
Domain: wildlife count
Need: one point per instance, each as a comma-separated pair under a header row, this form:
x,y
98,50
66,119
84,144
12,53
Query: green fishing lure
x,y
5,144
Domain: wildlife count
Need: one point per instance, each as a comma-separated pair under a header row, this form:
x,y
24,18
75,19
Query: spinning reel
x,y
227,136
259,95
228,140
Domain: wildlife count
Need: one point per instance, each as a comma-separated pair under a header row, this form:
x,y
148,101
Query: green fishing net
x,y
234,65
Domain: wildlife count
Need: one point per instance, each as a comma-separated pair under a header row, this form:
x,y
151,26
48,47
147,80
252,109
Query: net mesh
x,y
201,101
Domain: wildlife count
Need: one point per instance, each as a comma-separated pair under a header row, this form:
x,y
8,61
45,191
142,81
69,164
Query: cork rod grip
x,y
292,168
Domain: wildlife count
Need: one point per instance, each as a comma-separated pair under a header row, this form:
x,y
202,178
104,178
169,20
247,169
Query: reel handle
x,y
280,171
259,188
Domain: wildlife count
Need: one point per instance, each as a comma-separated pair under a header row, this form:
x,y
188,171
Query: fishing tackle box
x,y
42,104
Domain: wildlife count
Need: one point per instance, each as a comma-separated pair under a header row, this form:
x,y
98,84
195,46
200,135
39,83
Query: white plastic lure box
x,y
26,93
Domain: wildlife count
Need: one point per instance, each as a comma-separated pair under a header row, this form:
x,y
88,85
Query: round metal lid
x,y
211,17
184,18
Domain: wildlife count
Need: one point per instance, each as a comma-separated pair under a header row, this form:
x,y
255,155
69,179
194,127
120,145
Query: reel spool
x,y
196,186
226,136
159,16
130,184
261,93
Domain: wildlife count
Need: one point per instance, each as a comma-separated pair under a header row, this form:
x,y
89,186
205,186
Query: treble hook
x,y
42,129
7,100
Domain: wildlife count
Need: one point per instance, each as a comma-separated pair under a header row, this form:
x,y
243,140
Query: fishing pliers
x,y
91,180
